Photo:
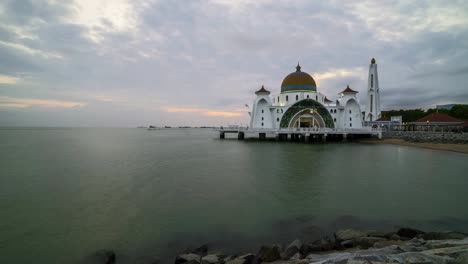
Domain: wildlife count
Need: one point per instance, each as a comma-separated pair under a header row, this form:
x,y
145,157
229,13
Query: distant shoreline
x,y
460,148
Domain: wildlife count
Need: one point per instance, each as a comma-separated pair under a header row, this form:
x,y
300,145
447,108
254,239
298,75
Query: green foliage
x,y
459,111
407,115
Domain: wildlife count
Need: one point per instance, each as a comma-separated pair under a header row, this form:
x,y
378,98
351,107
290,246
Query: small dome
x,y
298,81
372,61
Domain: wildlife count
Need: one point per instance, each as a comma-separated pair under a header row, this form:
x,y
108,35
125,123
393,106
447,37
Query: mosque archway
x,y
308,112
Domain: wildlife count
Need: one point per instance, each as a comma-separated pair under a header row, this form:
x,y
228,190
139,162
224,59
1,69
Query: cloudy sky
x,y
169,62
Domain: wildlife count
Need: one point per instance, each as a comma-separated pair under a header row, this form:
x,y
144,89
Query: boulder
x,y
409,232
347,234
248,258
452,252
103,257
462,259
306,249
202,250
292,249
210,259
418,258
347,244
366,259
296,256
269,253
395,237
325,244
184,258
386,243
367,242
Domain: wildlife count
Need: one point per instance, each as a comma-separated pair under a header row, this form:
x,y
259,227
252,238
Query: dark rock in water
x,y
306,249
103,257
409,232
326,244
248,258
269,254
202,250
347,234
443,235
292,249
347,243
367,242
376,234
187,258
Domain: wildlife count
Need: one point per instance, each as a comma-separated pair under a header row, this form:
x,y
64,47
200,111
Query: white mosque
x,y
301,105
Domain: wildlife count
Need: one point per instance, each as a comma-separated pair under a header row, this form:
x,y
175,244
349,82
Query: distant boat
x,y
153,128
167,127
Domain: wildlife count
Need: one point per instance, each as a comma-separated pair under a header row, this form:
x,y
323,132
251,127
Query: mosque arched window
x,y
297,97
350,111
334,119
286,98
262,123
277,111
278,99
277,119
262,118
350,124
350,119
262,111
307,96
331,110
281,110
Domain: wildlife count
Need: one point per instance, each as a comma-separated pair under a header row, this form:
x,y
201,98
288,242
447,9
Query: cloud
x,y
178,62
31,51
5,79
202,111
11,102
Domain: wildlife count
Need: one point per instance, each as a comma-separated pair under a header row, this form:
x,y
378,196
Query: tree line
x,y
411,115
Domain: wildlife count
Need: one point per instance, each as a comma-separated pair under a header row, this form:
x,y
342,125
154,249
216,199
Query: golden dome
x,y
298,81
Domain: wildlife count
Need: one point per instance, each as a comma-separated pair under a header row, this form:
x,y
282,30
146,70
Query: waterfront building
x,y
436,122
300,104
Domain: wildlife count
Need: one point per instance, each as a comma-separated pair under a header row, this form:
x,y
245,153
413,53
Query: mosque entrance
x,y
307,118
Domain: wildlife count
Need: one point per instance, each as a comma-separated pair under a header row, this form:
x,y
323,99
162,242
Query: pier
x,y
300,134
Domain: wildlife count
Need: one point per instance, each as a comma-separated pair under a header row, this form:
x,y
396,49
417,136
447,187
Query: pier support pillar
x,y
324,138
345,137
380,135
240,135
262,136
221,135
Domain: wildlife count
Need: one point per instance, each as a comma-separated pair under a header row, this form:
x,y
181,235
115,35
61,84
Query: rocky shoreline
x,y
347,246
428,137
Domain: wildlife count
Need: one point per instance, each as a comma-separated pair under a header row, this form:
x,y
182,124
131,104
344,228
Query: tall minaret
x,y
373,94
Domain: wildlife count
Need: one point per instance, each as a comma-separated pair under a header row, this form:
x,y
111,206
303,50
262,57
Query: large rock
x,y
292,249
386,243
306,249
366,259
184,258
409,232
367,242
452,252
418,258
103,257
202,250
269,253
244,259
348,234
210,259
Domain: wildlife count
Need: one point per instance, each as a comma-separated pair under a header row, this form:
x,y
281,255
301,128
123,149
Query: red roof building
x,y
383,119
436,118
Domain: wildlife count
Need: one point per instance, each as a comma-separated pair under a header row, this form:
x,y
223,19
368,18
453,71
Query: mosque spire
x,y
298,67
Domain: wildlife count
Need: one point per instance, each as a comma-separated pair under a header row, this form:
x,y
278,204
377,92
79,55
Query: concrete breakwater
x,y
430,137
346,246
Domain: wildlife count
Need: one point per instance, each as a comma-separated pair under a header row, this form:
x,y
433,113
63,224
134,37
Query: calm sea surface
x,y
65,193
